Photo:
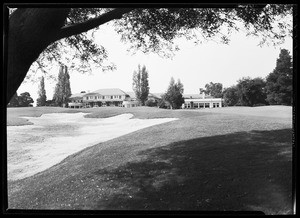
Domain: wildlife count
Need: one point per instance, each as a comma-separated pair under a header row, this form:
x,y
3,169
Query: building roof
x,y
196,96
77,95
107,92
131,94
155,95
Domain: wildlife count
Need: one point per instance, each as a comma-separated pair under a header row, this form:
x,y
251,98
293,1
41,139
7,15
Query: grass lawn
x,y
214,159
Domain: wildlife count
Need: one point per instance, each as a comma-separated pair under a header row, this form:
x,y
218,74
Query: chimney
x,y
203,95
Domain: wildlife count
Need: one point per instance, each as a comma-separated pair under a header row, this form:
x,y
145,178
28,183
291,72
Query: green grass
x,y
206,160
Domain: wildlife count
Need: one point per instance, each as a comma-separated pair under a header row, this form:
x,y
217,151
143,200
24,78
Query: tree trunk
x,y
31,30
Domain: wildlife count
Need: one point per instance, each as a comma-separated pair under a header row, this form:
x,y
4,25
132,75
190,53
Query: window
x,y
111,97
216,105
206,105
102,97
120,96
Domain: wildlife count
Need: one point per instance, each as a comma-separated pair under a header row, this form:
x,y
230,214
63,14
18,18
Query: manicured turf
x,y
206,160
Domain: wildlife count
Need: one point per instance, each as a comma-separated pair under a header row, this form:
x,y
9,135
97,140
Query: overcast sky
x,y
194,65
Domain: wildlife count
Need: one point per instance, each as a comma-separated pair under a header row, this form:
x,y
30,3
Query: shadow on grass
x,y
234,172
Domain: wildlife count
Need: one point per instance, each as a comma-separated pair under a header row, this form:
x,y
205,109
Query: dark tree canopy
x,y
174,94
230,96
251,92
214,89
39,35
25,100
279,86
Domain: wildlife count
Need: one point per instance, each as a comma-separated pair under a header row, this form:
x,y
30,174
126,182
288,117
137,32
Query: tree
x,y
37,34
174,94
62,90
25,100
214,89
230,96
279,83
251,91
67,87
41,100
140,84
151,103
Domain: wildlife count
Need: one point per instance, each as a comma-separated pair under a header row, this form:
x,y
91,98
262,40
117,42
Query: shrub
x,y
151,103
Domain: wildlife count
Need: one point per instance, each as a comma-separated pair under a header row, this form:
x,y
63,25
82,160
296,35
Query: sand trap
x,y
53,137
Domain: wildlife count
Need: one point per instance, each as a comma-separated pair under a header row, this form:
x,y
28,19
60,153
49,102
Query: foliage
x,y
230,96
140,84
162,103
25,100
79,51
174,94
279,83
214,89
151,103
62,90
155,29
41,101
50,103
251,91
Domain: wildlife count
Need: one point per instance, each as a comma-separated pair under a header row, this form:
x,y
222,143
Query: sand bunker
x,y
53,137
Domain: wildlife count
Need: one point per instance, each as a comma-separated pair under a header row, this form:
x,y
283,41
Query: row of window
x,y
201,105
103,97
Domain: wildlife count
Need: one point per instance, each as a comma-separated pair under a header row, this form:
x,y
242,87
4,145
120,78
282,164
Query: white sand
x,y
53,137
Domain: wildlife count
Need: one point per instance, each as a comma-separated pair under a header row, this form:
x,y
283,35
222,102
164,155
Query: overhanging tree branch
x,y
92,23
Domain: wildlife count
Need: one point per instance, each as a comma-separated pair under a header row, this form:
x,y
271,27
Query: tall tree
x,y
38,34
214,89
62,90
144,85
67,87
25,100
41,100
58,91
279,84
140,84
174,93
180,86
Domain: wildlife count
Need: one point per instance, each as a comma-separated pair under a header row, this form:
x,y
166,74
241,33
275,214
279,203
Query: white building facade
x,y
200,101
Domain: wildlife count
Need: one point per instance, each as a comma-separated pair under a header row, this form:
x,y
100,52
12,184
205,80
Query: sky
x,y
194,65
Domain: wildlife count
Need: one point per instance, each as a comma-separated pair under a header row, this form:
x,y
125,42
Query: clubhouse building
x,y
102,98
199,101
118,98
